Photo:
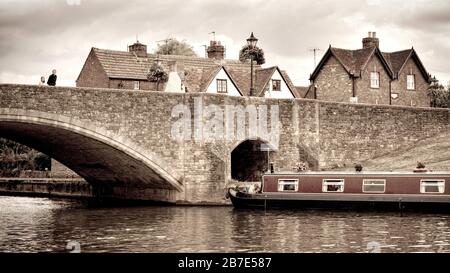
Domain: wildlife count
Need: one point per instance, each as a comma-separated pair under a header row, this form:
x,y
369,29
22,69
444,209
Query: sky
x,y
37,36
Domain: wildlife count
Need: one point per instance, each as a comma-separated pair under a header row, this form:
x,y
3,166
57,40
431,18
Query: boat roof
x,y
348,173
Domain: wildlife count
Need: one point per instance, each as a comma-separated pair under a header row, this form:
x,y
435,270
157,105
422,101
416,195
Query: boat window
x,y
287,185
374,185
333,185
432,186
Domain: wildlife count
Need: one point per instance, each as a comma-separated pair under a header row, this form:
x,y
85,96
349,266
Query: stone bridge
x,y
123,141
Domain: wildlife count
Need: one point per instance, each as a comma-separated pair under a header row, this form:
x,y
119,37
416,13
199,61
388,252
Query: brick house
x,y
368,75
214,74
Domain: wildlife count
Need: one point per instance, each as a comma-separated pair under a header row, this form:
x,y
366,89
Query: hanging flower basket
x,y
252,53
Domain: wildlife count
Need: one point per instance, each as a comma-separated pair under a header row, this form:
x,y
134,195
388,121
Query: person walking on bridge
x,y
42,81
52,78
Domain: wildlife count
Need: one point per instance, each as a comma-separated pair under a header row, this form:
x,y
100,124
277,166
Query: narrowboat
x,y
348,190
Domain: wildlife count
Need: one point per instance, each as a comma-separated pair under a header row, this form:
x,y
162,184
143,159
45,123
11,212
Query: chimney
x,y
139,49
371,41
216,50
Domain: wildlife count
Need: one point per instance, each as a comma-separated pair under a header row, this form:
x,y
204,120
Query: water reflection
x,y
39,225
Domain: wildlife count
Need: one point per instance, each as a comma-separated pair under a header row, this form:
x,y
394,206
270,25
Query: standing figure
x,y
42,81
52,78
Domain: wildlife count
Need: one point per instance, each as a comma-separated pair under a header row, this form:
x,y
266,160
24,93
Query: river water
x,y
48,225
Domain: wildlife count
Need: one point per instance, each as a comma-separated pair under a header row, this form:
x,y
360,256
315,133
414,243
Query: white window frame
x,y
226,86
136,85
273,81
332,181
437,182
375,80
410,82
373,180
283,182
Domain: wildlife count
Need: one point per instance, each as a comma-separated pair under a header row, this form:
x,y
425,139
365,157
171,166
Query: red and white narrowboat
x,y
348,190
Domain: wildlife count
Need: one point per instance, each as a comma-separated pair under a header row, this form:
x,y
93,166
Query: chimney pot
x,y
216,50
139,49
371,41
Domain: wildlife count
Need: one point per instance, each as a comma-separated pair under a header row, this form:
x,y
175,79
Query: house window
x,y
276,85
410,82
374,185
333,185
432,186
136,85
374,80
288,185
221,86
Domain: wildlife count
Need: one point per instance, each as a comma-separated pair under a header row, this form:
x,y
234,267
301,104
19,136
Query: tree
x,y
439,95
157,74
15,157
252,53
175,47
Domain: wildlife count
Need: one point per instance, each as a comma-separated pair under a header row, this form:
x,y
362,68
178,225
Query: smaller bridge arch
x,y
96,154
250,159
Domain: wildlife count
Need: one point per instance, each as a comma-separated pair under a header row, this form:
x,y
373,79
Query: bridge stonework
x,y
120,140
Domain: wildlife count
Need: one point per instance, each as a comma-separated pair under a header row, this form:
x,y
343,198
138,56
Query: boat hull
x,y
340,202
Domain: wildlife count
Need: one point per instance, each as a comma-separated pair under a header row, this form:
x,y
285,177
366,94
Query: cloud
x,y
36,36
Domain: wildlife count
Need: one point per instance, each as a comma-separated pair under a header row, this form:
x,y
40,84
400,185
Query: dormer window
x,y
276,85
410,82
222,86
374,79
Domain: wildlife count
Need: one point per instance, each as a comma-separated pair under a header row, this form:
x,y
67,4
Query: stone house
x,y
368,75
214,74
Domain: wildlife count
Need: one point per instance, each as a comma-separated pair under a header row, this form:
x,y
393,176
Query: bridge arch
x,y
97,155
250,158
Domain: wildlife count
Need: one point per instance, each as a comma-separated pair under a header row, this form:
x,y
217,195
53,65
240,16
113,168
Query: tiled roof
x,y
289,83
397,59
196,73
241,76
345,57
123,65
301,91
354,61
262,77
208,75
